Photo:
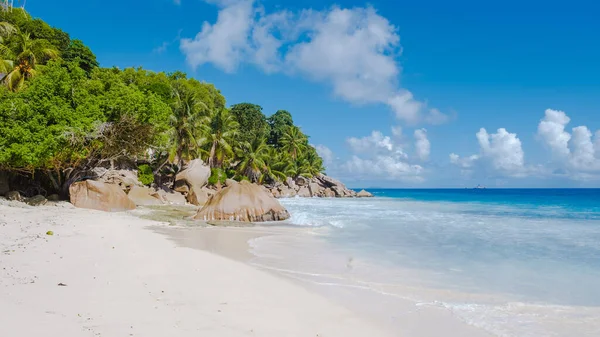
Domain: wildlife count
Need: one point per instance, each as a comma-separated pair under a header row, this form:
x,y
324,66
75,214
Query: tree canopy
x,y
61,115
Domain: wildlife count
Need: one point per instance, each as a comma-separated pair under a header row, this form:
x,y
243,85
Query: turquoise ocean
x,y
514,262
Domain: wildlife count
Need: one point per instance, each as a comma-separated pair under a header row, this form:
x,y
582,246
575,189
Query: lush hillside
x,y
61,115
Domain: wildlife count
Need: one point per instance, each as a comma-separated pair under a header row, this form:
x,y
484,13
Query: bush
x,y
217,175
145,174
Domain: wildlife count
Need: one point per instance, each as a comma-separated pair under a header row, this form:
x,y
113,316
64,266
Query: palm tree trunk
x,y
211,157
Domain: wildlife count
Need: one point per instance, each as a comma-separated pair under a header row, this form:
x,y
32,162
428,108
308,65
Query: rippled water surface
x,y
515,262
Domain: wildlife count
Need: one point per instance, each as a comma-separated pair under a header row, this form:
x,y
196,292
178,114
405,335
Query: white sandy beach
x,y
124,280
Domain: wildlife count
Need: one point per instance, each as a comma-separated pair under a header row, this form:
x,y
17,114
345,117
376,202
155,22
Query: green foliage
x,y
61,115
80,53
278,125
145,174
252,122
217,176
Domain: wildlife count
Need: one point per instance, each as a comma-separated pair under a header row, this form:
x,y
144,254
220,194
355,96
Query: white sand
x,y
124,280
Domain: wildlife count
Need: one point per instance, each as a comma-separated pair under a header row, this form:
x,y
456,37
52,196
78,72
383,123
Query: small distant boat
x,y
479,187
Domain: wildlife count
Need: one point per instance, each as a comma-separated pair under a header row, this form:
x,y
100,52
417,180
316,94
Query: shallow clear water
x,y
515,262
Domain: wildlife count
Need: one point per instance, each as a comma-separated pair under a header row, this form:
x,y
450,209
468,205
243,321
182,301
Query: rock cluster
x,y
318,186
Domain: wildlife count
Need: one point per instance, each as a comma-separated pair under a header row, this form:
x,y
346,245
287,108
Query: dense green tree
x,y
80,53
279,122
253,157
72,116
252,121
188,111
293,142
28,54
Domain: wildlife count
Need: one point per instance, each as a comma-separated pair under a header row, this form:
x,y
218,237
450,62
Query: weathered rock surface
x,y
191,180
144,196
100,196
336,186
37,200
303,192
243,202
125,179
14,195
364,194
171,197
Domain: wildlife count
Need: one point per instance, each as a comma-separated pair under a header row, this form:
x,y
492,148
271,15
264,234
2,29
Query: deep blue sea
x,y
517,262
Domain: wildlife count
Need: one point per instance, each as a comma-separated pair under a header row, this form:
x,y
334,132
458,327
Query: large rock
x,y
126,179
301,181
315,189
14,195
172,197
4,186
364,194
144,196
336,186
37,200
303,192
101,196
191,180
289,182
285,192
328,193
243,202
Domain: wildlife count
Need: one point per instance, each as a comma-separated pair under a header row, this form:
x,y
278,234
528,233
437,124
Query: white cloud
x,y
381,157
376,142
162,48
501,150
466,162
552,130
352,50
225,43
578,153
327,155
422,144
383,167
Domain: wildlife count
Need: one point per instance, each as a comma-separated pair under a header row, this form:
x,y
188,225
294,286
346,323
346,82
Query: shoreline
x,y
110,274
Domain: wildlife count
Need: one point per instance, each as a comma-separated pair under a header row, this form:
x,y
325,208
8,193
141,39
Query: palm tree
x,y
293,141
185,120
277,164
30,53
6,64
218,130
311,164
253,161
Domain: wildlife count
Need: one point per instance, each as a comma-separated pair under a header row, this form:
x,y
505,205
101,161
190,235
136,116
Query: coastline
x,y
110,274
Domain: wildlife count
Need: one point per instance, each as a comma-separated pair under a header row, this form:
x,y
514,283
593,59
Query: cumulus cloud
x,y
327,155
576,152
381,157
422,144
501,150
352,50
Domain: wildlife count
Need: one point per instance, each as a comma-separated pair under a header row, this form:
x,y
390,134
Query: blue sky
x,y
350,71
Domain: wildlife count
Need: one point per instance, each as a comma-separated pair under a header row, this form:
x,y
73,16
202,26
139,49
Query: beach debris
x,y
62,285
49,233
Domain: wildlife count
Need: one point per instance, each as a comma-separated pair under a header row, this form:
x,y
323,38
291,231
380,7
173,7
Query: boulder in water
x,y
364,194
243,201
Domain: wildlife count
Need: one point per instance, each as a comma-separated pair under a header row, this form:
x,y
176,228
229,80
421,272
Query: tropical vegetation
x,y
62,115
